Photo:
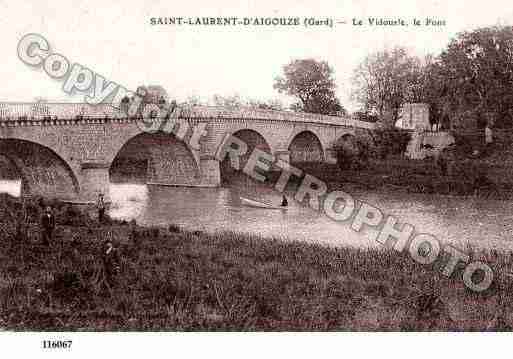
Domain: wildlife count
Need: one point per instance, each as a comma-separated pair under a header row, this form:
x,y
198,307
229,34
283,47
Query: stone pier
x,y
94,180
210,172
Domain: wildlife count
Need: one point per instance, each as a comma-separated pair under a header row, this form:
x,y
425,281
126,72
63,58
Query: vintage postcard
x,y
254,166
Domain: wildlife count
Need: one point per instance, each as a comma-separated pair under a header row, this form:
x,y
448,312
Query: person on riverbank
x,y
100,205
111,262
134,234
47,226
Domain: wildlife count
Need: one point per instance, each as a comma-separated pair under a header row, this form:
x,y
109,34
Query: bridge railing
x,y
272,115
22,111
38,110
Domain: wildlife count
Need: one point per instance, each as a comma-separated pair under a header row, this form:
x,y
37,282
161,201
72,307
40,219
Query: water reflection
x,y
481,222
220,209
128,201
12,187
459,220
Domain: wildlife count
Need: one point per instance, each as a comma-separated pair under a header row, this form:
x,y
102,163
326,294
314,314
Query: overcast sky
x,y
116,39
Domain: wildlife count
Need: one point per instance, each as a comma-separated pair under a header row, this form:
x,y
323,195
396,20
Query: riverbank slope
x,y
469,178
171,279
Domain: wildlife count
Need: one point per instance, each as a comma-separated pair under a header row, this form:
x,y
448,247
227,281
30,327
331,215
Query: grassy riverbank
x,y
177,280
419,176
471,168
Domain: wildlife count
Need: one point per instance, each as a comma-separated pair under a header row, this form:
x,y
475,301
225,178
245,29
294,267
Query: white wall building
x,y
414,116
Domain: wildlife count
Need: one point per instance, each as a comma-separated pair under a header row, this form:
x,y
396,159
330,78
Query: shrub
x,y
391,141
467,143
174,228
352,154
347,156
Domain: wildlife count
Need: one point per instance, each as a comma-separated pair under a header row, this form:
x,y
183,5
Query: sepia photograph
x,y
231,168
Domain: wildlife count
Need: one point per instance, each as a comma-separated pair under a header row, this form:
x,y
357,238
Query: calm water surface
x,y
459,220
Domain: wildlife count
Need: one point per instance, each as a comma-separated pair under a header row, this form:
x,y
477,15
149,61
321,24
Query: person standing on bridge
x,y
100,205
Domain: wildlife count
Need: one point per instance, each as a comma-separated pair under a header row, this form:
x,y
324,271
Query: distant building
x,y
414,116
425,141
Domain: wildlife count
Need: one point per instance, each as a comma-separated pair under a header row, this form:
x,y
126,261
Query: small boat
x,y
251,203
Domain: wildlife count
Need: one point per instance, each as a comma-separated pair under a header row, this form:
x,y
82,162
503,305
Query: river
x,y
459,220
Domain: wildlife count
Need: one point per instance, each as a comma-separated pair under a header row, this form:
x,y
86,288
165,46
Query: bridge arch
x,y
10,171
306,146
253,139
42,171
155,157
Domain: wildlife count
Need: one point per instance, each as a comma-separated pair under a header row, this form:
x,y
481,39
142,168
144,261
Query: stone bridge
x,y
74,151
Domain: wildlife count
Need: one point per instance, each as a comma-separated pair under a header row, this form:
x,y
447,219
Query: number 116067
x,y
57,344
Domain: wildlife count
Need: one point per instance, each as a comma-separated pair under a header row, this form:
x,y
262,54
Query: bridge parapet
x,y
12,111
37,114
211,112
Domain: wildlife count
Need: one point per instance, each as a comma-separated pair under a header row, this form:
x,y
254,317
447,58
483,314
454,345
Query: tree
x,y
154,94
236,101
387,79
193,100
313,84
272,104
477,72
233,101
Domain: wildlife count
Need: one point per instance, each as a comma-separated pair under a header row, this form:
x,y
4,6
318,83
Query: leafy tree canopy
x,y
313,84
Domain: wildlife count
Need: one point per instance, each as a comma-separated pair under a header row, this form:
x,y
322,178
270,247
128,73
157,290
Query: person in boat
x,y
284,202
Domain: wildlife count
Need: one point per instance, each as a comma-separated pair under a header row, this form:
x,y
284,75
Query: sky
x,y
116,40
